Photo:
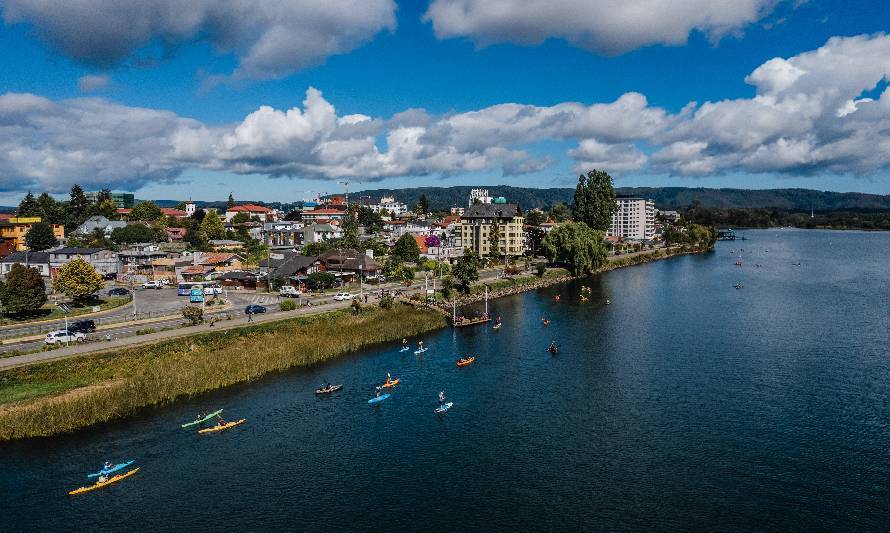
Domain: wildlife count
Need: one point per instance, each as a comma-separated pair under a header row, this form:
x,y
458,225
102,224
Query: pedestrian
x,y
250,317
366,298
212,320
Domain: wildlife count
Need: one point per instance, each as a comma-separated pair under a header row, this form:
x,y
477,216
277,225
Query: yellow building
x,y
479,220
16,228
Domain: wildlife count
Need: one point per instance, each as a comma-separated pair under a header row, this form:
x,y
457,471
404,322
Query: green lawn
x,y
51,312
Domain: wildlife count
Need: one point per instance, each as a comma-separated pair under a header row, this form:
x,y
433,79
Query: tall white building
x,y
634,219
392,206
480,196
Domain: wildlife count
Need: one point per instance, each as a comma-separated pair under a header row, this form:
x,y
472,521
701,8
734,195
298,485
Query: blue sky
x,y
185,100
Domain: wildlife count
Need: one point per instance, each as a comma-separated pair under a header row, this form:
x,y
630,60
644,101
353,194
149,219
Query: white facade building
x,y
393,207
634,219
479,196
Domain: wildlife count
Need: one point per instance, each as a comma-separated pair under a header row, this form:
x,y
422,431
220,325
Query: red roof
x,y
421,243
217,258
451,218
171,212
6,216
249,208
323,212
123,211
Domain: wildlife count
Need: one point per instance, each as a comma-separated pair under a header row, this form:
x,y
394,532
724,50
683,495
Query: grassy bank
x,y
61,396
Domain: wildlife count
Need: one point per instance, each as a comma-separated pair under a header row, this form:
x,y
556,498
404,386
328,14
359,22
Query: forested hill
x,y
665,197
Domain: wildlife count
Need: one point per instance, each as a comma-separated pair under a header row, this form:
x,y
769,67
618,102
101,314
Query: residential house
x,y
174,213
264,214
226,244
320,233
104,261
323,215
101,223
137,262
291,266
478,222
220,261
38,260
16,228
348,263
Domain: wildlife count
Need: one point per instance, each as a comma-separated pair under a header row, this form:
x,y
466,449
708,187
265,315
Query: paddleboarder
x,y
441,398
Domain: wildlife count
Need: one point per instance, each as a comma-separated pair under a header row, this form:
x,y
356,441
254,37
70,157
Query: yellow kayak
x,y
219,427
100,484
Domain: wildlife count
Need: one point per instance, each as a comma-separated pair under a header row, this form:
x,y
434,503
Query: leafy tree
x,y
377,248
356,306
193,314
79,208
466,269
77,279
107,208
24,290
293,216
50,210
387,301
147,211
372,221
535,217
231,202
575,246
494,240
314,249
448,285
406,249
213,227
320,280
40,237
407,275
433,241
199,215
423,205
540,269
594,201
560,212
104,194
28,206
240,218
133,233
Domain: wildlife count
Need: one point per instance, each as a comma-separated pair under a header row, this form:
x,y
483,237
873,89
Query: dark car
x,y
254,309
118,291
82,326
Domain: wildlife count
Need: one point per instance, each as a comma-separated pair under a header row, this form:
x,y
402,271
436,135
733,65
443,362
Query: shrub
x,y
387,301
288,305
540,268
145,331
356,306
193,314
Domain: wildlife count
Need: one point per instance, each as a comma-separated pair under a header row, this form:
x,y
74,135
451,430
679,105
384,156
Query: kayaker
x,y
107,466
201,416
377,392
388,378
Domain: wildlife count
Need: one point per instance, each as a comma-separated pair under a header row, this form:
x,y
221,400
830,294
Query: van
x,y
289,292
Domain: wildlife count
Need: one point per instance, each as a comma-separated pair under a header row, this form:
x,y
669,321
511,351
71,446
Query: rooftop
x,y
492,211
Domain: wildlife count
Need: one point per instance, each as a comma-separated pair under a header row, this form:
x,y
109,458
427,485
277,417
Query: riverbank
x,y
61,396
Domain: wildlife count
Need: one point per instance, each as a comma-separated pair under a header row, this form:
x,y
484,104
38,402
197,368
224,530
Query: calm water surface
x,y
684,404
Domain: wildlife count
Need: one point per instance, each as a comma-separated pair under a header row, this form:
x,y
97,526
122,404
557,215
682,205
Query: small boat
x,y
378,399
467,361
738,285
204,419
545,322
496,326
113,469
100,484
420,351
553,349
442,409
392,383
222,427
328,390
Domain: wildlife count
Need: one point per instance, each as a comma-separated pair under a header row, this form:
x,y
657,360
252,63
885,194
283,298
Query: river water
x,y
685,403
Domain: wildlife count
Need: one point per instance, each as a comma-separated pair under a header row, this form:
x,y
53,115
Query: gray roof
x,y
27,257
492,211
290,265
76,251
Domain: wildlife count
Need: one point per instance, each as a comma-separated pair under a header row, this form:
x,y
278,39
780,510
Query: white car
x,y
58,337
152,285
210,291
343,297
289,291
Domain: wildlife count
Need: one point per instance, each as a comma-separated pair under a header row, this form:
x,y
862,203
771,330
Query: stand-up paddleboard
x,y
202,420
404,349
444,408
420,351
378,399
113,469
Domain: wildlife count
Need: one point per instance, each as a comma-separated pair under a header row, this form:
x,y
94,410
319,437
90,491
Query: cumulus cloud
x,y
270,39
812,113
92,82
605,26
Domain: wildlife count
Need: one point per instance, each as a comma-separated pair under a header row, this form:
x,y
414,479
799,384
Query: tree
x,y
406,249
231,202
295,215
447,285
320,280
575,246
288,305
432,241
407,276
24,290
535,217
40,237
77,279
494,240
107,208
104,194
79,208
213,227
147,211
314,249
133,233
372,221
50,210
466,269
240,218
199,215
387,301
423,205
560,212
28,206
594,200
193,314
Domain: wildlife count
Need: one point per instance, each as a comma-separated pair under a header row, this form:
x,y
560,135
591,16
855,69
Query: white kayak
x,y
443,408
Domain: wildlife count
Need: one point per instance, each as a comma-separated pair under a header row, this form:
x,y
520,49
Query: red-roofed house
x,y
421,243
176,234
173,213
263,213
123,211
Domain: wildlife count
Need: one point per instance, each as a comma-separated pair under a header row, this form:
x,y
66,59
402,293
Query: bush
x,y
387,301
193,314
288,305
540,268
145,331
356,306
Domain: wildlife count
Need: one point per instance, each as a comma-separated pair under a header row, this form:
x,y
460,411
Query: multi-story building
x,y
478,222
121,199
389,203
16,228
634,219
104,261
284,234
262,213
479,196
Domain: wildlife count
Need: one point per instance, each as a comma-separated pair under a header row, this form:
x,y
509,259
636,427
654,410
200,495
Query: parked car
x,y
118,291
254,309
289,291
342,297
58,337
82,326
152,285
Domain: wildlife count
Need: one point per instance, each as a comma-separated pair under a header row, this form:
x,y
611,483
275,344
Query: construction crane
x,y
345,183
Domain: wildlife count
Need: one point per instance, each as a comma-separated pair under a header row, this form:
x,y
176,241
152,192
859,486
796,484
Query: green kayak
x,y
205,419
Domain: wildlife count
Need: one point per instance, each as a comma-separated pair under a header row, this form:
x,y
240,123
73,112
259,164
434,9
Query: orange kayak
x,y
221,427
100,484
465,362
392,383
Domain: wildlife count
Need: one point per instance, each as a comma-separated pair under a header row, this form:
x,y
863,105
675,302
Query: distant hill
x,y
665,197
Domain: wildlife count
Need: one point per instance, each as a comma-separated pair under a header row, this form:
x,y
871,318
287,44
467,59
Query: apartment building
x,y
478,221
634,219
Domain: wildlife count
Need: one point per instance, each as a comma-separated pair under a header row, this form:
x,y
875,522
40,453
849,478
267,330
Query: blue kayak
x,y
378,399
115,468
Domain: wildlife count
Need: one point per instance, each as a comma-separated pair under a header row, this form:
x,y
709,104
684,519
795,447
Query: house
x,y
16,228
220,261
226,244
320,233
348,263
164,268
290,265
7,246
138,261
104,261
174,213
479,221
323,215
238,279
101,223
38,260
390,205
175,234
264,214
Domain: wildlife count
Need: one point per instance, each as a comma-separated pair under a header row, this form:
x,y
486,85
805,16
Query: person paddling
x,y
441,398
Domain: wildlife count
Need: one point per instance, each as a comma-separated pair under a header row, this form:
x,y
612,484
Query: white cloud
x,y
804,119
270,39
605,26
92,82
